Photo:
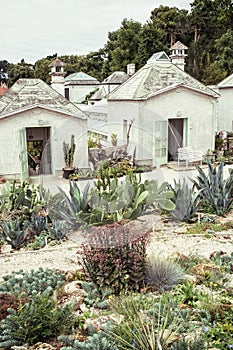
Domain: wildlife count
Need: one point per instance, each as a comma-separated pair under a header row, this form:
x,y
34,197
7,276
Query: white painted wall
x,y
225,109
199,109
62,126
77,93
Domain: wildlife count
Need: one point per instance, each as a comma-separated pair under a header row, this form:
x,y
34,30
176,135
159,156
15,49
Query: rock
x,y
73,287
41,346
205,268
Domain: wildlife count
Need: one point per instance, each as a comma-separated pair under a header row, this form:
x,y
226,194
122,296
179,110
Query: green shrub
x,y
163,273
32,282
96,341
92,296
114,257
35,321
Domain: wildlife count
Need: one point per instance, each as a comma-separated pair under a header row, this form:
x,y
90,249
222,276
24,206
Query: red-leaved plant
x,y
114,257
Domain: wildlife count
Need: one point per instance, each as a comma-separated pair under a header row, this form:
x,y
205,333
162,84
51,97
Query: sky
x,y
35,29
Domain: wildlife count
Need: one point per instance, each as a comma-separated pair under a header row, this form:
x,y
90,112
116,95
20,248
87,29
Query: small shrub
x,y
163,273
35,321
96,341
92,297
114,257
8,301
32,282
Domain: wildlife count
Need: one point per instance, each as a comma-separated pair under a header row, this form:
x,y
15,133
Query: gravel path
x,y
166,239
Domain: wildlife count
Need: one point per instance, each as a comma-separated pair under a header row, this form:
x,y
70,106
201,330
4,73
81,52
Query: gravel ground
x,y
166,239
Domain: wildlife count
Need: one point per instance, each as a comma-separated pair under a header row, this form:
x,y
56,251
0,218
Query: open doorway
x,y
39,152
176,130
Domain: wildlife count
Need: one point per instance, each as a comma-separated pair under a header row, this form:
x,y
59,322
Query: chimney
x,y
130,69
178,54
57,75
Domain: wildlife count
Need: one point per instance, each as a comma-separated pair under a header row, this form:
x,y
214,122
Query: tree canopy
x,y
207,30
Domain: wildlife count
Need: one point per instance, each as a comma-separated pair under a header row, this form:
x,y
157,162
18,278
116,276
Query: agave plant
x,y
71,204
187,201
14,233
215,190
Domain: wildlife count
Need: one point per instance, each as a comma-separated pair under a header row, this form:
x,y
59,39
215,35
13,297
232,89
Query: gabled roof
x,y
3,89
227,82
158,74
117,77
29,93
57,63
81,77
178,46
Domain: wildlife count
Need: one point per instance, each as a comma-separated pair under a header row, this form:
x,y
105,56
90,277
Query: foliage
x,y
35,321
122,45
224,49
38,223
68,207
206,30
8,301
189,344
92,296
224,260
42,69
112,202
58,230
208,227
114,257
215,191
18,71
22,200
14,233
40,281
163,273
186,200
68,150
96,341
187,293
147,322
92,142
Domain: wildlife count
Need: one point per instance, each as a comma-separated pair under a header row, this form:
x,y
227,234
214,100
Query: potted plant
x,y
114,139
68,150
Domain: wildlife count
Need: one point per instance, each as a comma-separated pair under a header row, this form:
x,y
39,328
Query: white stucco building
x,y
169,109
225,104
36,118
78,86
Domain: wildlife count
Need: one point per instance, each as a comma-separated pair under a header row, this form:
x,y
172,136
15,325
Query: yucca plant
x,y
147,322
215,190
